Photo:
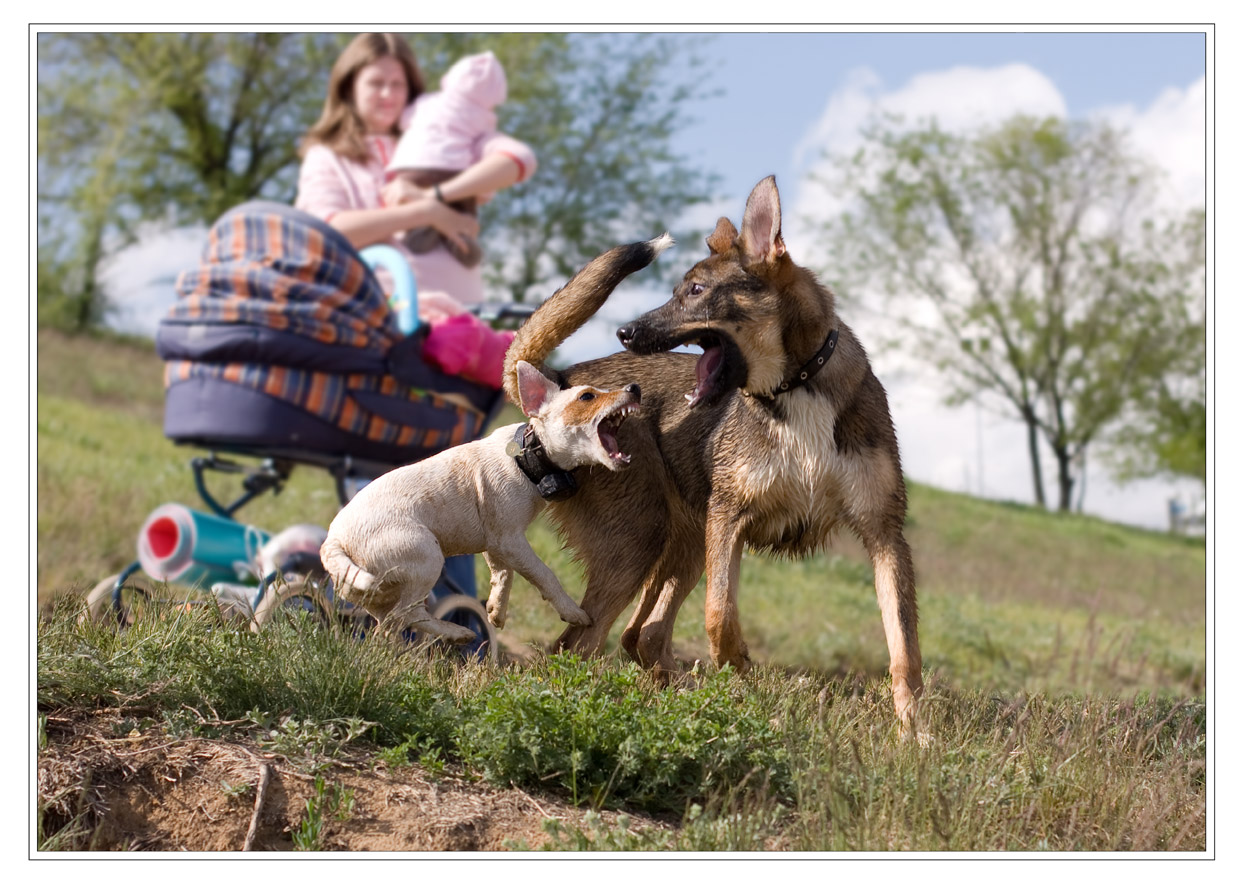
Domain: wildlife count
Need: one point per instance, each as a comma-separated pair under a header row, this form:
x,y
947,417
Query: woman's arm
x,y
505,162
364,227
489,174
336,191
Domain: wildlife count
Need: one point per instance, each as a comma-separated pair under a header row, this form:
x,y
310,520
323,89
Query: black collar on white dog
x,y
527,450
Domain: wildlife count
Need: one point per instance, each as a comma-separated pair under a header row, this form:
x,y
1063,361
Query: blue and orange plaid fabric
x,y
277,270
280,272
330,397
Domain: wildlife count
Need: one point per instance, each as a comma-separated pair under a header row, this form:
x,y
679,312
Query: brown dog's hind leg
x,y
633,629
608,593
648,639
618,525
683,564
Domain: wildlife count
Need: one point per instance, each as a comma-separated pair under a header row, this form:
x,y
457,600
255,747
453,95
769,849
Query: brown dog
x,y
775,437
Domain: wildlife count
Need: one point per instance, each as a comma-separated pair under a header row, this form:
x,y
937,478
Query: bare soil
x,y
144,791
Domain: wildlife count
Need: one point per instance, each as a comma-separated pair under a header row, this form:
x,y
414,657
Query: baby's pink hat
x,y
480,78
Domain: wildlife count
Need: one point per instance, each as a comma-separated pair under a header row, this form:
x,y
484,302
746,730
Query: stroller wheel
x,y
466,611
292,598
99,607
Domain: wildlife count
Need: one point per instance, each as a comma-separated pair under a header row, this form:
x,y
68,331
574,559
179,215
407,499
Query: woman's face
x,y
379,94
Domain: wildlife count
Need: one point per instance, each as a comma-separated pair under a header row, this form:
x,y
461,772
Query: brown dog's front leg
x,y
724,561
896,596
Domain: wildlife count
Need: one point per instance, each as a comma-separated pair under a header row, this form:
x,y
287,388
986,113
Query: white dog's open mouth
x,y
608,428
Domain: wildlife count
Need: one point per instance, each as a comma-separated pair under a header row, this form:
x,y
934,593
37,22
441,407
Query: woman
x,y
343,178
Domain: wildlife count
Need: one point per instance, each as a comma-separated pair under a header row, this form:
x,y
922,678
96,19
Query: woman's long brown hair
x,y
340,128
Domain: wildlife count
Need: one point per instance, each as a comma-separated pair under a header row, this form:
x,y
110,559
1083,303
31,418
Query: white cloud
x,y
139,280
703,216
1171,133
959,98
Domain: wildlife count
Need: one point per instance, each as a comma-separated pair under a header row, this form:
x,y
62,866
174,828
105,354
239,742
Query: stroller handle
x,y
404,299
495,311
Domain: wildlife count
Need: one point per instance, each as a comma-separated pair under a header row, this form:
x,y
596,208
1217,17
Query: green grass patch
x,y
603,733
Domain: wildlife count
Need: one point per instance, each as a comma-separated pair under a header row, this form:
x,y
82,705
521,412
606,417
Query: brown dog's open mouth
x,y
708,371
720,367
608,428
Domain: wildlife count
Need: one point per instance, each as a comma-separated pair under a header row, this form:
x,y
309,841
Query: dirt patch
x,y
144,791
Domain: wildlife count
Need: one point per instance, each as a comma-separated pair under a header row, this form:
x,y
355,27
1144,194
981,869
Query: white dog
x,y
385,549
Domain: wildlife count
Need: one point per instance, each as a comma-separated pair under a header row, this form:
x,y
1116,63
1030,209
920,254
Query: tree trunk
x,y
1035,456
1066,481
89,302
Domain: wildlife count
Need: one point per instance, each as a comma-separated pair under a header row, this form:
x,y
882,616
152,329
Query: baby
x,y
445,137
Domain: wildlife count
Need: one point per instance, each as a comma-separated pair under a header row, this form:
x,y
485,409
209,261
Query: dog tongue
x,y
705,371
607,438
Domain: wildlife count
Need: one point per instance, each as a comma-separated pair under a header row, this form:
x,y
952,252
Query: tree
x,y
1028,272
169,129
1165,429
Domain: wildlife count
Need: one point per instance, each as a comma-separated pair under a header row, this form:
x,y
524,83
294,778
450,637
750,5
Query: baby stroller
x,y
283,351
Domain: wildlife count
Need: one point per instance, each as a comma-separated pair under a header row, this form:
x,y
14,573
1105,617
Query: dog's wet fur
x,y
720,458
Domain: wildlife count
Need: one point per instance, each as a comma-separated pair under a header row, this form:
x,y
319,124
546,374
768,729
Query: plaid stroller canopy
x,y
282,324
295,282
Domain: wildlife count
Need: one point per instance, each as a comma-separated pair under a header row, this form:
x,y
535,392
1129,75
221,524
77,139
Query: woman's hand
x,y
399,191
456,226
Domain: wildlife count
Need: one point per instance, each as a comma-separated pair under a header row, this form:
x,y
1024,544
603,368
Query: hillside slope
x,y
1010,596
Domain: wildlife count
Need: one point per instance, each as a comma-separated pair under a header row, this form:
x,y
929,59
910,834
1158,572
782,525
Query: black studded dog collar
x,y
527,450
811,368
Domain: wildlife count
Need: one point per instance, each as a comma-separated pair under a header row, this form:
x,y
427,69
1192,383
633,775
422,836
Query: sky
x,y
787,98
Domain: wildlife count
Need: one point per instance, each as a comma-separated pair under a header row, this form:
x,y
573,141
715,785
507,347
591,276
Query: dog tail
x,y
345,573
573,304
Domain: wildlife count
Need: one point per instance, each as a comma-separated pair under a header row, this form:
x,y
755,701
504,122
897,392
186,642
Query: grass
x,y
1064,658
768,759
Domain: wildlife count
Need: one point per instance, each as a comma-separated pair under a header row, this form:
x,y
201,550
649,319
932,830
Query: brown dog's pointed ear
x,y
533,388
761,223
722,237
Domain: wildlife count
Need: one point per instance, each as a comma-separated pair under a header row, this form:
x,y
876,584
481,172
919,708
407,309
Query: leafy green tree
x,y
170,129
1165,430
1030,282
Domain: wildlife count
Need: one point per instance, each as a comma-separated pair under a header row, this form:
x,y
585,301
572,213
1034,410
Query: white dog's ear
x,y
761,223
534,388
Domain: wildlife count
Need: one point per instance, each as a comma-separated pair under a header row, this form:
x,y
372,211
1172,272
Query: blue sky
x,y
787,97
783,80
